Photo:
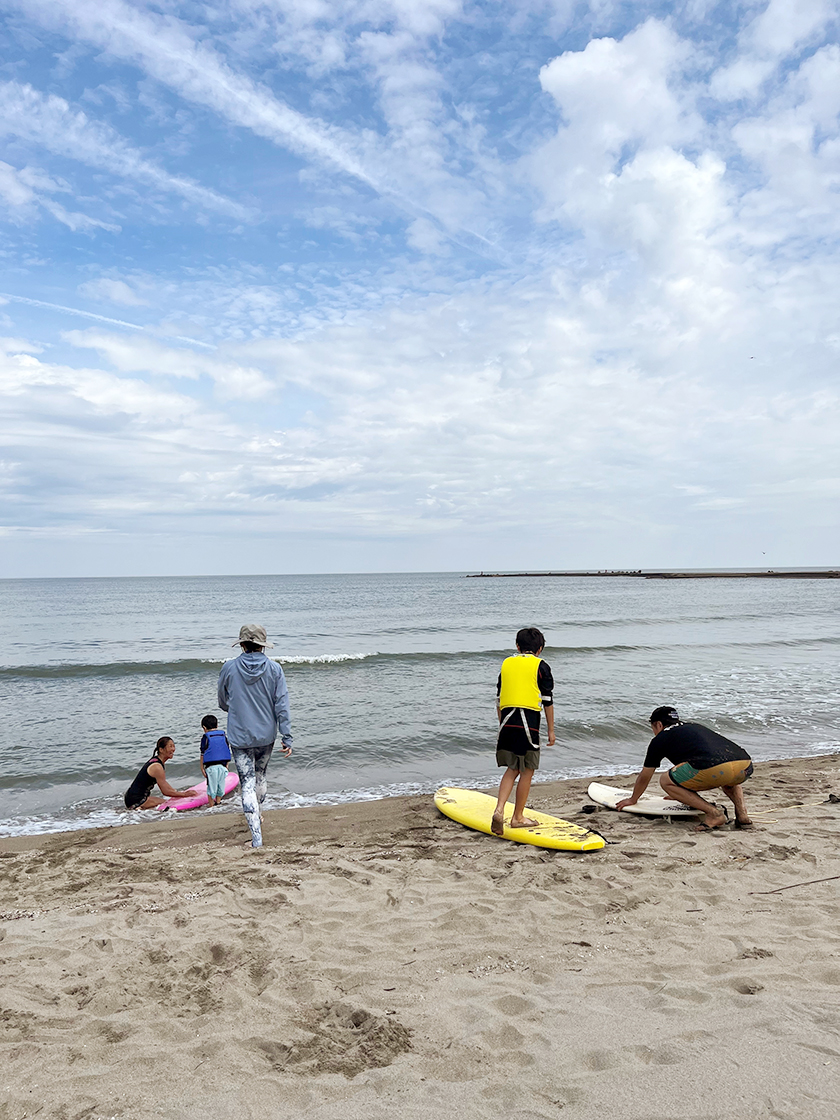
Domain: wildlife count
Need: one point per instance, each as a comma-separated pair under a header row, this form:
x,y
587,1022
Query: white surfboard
x,y
648,804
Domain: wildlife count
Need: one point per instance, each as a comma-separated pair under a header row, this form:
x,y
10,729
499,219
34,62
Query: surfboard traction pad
x,y
475,810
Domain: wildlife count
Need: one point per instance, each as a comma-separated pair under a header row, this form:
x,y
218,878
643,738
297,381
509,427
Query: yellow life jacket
x,y
519,682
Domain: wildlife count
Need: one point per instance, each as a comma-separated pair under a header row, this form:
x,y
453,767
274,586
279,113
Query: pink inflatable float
x,y
178,804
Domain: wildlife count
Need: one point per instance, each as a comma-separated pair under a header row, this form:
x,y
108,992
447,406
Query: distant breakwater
x,y
639,573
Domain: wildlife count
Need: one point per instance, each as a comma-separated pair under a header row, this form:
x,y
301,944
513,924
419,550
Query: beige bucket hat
x,y
250,632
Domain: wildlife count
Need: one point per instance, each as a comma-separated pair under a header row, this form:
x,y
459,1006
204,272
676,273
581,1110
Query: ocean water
x,y
392,677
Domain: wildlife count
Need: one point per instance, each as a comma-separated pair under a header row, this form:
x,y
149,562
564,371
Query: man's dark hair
x,y
530,640
162,741
209,723
667,715
251,647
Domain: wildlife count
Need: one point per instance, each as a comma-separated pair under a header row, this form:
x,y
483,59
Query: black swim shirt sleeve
x,y
655,751
203,746
545,683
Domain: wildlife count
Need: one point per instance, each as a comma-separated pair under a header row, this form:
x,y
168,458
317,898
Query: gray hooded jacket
x,y
252,690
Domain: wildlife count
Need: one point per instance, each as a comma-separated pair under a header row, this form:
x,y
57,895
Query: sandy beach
x,y
378,960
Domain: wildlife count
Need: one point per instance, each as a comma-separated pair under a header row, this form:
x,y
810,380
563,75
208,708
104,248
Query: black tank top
x,y
142,785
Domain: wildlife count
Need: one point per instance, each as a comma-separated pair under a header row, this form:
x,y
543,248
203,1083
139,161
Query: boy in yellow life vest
x,y
524,687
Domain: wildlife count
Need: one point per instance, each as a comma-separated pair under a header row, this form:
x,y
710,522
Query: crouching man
x,y
703,760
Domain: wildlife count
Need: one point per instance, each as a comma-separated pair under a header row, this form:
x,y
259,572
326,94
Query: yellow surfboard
x,y
475,810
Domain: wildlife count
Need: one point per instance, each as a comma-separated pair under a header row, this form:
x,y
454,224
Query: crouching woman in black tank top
x,y
151,774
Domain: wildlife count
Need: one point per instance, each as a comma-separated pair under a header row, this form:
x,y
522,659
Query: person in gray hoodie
x,y
252,690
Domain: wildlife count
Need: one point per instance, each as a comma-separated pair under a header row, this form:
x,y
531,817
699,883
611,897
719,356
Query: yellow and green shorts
x,y
724,774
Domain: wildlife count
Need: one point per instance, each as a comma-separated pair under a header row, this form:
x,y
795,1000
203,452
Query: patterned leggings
x,y
251,766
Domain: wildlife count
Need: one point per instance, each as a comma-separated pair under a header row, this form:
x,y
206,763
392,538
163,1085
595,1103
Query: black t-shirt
x,y
692,743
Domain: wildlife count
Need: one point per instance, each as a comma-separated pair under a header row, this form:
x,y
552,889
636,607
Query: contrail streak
x,y
99,318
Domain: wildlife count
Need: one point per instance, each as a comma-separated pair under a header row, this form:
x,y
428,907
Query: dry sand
x,y
378,960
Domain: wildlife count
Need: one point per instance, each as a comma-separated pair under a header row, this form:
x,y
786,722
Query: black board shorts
x,y
518,745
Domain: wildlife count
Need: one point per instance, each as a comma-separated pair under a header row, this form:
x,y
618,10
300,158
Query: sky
x,y
405,285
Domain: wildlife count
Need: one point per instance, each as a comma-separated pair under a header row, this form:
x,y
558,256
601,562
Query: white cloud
x,y
338,218
617,174
425,236
102,392
14,190
782,28
423,137
19,346
76,221
794,142
152,452
410,170
167,51
50,121
720,503
327,34
115,291
28,189
784,25
437,416
141,354
659,325
618,94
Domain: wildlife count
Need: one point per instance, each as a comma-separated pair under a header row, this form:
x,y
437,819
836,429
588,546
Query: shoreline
x,y
546,777
199,827
376,959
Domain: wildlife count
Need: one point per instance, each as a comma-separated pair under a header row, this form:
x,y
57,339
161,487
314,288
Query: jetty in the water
x,y
700,573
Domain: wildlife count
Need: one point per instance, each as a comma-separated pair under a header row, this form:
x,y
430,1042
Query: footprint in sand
x,y
747,987
514,1005
341,1039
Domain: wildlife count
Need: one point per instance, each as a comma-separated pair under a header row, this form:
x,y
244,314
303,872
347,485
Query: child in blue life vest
x,y
215,756
525,686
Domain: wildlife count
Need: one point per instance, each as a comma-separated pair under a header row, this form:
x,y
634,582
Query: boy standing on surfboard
x,y
524,687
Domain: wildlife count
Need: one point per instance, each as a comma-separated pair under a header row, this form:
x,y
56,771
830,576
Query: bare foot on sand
x,y
744,822
497,825
523,822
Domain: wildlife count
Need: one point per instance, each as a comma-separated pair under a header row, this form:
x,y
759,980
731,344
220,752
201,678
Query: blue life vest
x,y
217,749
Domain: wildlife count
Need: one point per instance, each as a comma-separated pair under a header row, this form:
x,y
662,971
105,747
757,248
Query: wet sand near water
x,y
377,960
